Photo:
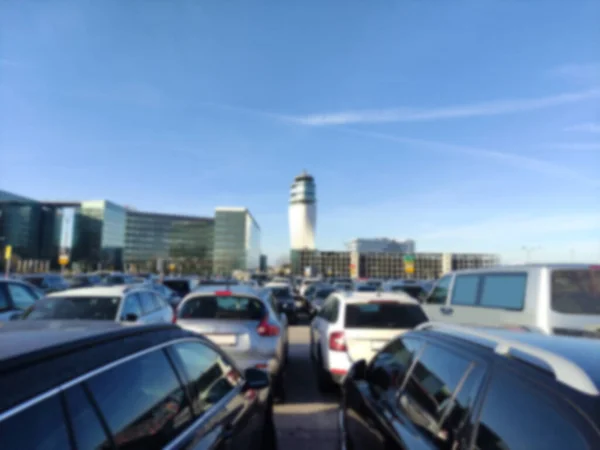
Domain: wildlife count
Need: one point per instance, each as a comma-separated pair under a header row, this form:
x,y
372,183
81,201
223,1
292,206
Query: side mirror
x,y
131,317
256,379
358,371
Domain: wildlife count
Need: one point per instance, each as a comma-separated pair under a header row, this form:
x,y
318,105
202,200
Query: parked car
x,y
118,279
46,282
551,298
182,286
318,296
355,325
285,298
172,297
83,280
245,323
15,297
106,385
413,288
455,387
116,303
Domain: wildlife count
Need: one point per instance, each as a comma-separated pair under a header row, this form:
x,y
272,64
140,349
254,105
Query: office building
x,y
100,234
385,265
303,213
236,241
153,239
381,245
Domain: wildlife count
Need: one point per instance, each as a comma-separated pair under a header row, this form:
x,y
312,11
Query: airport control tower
x,y
303,212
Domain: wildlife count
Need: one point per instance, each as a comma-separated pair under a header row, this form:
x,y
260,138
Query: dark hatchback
x,y
107,386
454,388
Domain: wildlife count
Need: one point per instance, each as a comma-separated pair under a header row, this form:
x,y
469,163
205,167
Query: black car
x,y
449,387
46,282
103,385
286,301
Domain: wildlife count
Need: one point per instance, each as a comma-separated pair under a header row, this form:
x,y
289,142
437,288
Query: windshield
x,y
280,292
324,293
182,287
36,281
366,288
576,291
384,315
413,291
84,308
224,308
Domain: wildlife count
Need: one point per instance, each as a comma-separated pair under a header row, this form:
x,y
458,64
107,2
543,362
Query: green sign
x,y
409,258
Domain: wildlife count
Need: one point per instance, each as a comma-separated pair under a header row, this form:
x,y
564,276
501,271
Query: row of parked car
x,y
498,358
118,366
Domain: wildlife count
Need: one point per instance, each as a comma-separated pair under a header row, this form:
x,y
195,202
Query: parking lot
x,y
308,419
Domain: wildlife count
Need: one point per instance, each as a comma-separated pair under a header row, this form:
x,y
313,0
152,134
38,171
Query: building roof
x,y
157,215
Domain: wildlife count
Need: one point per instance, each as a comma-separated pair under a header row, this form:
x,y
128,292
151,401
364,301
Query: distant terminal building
x,y
303,212
386,265
100,234
381,245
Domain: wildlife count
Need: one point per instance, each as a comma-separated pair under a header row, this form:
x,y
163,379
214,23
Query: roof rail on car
x,y
565,370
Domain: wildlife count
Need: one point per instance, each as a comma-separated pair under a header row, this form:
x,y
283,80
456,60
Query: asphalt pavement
x,y
307,419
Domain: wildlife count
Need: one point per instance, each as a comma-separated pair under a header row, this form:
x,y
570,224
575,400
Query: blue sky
x,y
466,125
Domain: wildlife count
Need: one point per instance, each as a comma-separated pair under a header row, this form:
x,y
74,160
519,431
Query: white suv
x,y
356,325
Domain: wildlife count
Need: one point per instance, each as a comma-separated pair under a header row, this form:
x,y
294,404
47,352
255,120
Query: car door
x,y
214,384
435,304
365,412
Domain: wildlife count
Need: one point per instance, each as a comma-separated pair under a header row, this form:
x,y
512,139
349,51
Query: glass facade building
x,y
186,241
236,242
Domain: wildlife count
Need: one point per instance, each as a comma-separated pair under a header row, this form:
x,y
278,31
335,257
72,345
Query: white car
x,y
355,325
138,304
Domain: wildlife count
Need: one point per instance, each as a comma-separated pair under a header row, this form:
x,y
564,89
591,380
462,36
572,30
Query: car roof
x,y
581,350
237,289
49,353
277,284
525,267
362,297
99,291
568,357
25,336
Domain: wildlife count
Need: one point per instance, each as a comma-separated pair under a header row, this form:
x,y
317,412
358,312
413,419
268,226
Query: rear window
x,y
84,308
576,291
226,308
384,315
182,287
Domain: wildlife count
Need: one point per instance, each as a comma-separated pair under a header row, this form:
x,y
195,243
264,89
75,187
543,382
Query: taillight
x,y
337,341
267,329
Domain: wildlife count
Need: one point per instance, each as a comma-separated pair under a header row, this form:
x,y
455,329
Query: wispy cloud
x,y
518,161
582,72
588,127
574,146
515,227
452,112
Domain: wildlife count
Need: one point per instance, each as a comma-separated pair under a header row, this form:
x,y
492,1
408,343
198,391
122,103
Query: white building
x,y
381,245
303,213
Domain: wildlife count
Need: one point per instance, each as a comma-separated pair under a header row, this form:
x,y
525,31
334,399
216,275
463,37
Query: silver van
x,y
551,298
